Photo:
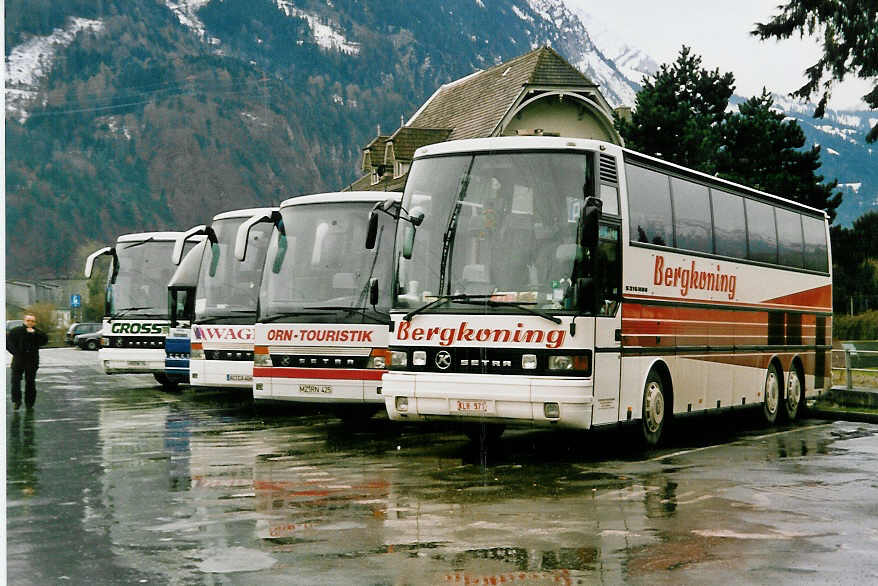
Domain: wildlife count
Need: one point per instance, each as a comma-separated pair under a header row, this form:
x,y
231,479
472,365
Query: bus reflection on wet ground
x,y
110,480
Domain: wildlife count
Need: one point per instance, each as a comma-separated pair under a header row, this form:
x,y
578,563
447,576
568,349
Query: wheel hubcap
x,y
655,407
794,392
771,392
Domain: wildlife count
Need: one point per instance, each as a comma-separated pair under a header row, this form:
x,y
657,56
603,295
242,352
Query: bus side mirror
x,y
373,292
585,295
372,231
90,261
408,244
589,222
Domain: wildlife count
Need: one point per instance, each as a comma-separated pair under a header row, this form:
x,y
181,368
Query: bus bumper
x,y
561,401
343,386
233,374
132,360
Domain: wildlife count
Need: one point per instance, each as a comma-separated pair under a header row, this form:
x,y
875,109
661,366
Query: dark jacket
x,y
25,346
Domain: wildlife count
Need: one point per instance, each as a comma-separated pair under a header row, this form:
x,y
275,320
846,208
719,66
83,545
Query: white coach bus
x,y
136,315
322,331
221,337
571,282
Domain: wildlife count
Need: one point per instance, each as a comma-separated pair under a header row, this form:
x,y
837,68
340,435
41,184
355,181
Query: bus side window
x,y
649,206
816,255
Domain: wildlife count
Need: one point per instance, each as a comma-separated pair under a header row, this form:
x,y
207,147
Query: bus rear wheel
x,y
654,409
793,397
771,390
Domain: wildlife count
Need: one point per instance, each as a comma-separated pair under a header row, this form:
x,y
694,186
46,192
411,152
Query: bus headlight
x,y
579,363
402,403
419,358
529,361
196,354
261,360
398,358
378,358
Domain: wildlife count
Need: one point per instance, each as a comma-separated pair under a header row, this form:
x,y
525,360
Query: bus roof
x,y
141,236
342,197
511,143
245,213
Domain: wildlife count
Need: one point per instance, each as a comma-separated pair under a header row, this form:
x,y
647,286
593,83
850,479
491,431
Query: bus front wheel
x,y
167,383
771,390
654,409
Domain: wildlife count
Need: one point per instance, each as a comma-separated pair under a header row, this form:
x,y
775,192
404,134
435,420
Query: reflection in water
x,y
21,454
177,432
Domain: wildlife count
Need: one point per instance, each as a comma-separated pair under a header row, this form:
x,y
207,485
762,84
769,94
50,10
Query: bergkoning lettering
x,y
688,278
464,333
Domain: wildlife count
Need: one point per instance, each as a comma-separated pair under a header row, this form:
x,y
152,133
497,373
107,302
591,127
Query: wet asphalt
x,y
111,480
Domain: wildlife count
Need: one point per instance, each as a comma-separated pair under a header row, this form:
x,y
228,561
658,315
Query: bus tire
x,y
167,383
772,394
654,413
792,401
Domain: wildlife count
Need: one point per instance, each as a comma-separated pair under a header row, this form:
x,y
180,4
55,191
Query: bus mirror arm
x,y
242,236
90,261
177,252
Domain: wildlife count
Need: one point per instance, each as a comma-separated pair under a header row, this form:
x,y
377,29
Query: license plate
x,y
316,389
239,377
471,406
136,363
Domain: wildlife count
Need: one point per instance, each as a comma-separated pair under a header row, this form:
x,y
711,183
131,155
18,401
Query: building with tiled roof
x,y
538,93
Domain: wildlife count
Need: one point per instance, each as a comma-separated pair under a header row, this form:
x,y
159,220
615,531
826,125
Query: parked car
x,y
80,328
90,341
13,323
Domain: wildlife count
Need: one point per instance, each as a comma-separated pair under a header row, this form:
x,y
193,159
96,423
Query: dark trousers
x,y
30,383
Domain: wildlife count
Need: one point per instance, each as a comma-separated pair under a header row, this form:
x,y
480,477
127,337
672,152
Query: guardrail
x,y
857,357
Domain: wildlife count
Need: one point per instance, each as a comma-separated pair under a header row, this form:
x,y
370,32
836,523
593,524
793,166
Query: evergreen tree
x,y
678,114
850,44
763,150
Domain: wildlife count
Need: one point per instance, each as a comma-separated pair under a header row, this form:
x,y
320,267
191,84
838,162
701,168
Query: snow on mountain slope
x,y
29,62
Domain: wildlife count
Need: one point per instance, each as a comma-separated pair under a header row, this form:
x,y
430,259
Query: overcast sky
x,y
719,32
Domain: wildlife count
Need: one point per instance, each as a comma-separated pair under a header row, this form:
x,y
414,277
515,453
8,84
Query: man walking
x,y
24,342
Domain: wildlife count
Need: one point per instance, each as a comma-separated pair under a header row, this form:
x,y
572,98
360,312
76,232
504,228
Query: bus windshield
x,y
140,288
499,226
318,264
228,289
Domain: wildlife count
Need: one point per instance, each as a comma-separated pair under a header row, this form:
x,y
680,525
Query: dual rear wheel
x,y
786,403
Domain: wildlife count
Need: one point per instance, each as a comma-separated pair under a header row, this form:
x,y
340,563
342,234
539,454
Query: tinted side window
x,y
789,233
649,206
691,216
761,231
728,224
816,255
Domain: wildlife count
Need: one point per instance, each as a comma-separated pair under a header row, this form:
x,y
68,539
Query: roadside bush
x,y
863,326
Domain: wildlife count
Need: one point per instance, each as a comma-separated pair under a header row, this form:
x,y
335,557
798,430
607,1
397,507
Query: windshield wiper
x,y
442,299
524,306
284,314
359,310
123,311
232,313
150,239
